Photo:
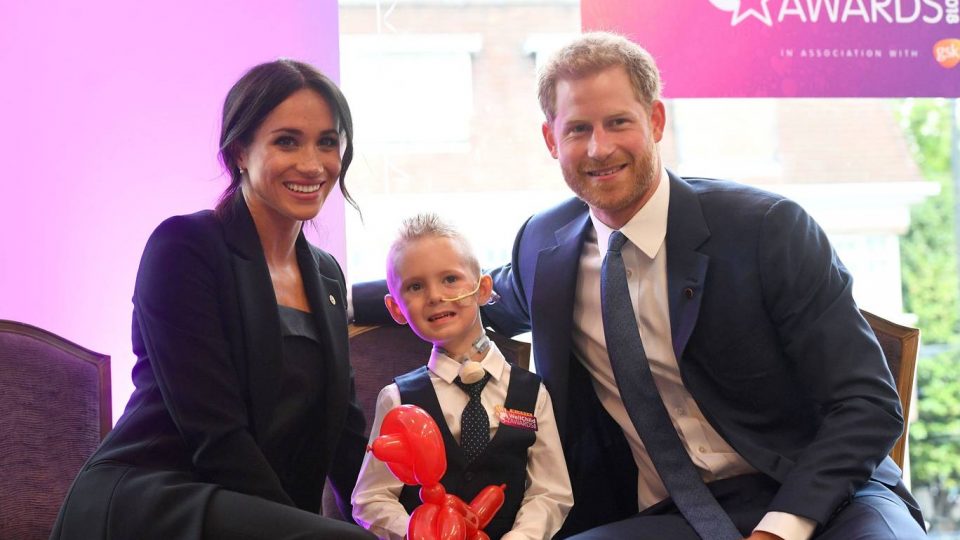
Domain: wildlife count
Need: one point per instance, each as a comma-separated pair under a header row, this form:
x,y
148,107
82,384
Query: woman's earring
x,y
241,170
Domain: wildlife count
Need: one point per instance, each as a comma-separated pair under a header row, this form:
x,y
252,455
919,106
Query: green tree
x,y
935,436
930,290
929,260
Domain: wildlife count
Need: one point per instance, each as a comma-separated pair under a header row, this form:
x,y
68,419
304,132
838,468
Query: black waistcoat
x,y
503,461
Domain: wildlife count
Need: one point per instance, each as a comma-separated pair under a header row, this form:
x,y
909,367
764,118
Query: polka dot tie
x,y
474,423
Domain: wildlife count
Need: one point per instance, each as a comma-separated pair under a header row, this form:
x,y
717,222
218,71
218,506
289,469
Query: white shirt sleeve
x,y
376,497
787,526
548,496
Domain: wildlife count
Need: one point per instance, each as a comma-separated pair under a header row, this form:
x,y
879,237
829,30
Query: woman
x,y
244,396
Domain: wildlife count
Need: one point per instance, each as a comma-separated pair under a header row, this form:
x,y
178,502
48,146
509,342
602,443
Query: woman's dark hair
x,y
252,98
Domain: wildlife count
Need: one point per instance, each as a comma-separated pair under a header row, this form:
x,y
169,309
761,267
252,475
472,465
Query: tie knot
x,y
616,241
473,389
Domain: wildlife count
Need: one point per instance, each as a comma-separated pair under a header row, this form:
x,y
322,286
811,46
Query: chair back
x,y
380,353
55,398
900,345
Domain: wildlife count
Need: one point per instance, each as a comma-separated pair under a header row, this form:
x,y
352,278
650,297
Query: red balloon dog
x,y
411,446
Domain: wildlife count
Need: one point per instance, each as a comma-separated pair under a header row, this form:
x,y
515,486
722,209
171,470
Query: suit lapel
x,y
556,282
686,267
555,287
261,322
327,304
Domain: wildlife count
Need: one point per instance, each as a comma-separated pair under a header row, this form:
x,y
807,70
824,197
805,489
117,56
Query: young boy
x,y
436,287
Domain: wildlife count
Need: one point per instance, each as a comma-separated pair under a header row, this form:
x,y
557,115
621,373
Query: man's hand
x,y
763,535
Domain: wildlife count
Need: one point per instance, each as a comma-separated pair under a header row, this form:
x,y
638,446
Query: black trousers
x,y
875,513
236,516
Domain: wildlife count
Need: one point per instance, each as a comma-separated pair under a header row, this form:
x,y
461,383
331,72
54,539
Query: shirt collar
x,y
447,368
647,228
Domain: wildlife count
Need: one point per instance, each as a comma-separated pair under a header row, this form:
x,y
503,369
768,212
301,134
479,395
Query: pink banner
x,y
111,112
793,48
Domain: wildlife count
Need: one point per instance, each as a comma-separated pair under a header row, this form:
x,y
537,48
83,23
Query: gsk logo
x,y
947,52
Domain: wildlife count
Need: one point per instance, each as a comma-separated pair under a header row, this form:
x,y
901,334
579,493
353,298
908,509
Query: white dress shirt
x,y
547,498
645,259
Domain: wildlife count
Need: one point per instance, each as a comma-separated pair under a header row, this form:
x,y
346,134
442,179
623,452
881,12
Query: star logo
x,y
743,9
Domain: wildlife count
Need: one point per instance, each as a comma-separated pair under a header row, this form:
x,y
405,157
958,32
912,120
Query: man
x,y
741,373
774,383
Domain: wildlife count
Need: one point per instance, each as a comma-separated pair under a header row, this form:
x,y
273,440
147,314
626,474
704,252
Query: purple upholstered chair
x,y
380,353
54,410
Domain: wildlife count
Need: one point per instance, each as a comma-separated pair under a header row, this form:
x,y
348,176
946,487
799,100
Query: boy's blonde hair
x,y
428,225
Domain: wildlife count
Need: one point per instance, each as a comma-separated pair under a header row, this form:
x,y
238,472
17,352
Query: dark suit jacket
x,y
767,336
209,354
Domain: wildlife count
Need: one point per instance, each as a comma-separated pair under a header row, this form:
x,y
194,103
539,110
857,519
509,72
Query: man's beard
x,y
644,173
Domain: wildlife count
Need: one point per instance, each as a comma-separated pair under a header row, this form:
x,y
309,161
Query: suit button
x,y
688,292
468,476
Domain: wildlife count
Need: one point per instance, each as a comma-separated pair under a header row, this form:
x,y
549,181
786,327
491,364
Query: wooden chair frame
x,y
903,374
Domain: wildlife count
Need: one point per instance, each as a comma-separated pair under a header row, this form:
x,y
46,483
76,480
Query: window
x,y
411,93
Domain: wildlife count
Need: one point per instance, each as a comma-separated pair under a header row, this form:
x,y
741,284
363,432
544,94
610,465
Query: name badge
x,y
515,418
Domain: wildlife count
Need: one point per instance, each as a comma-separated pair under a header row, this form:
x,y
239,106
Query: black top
x,y
294,438
209,381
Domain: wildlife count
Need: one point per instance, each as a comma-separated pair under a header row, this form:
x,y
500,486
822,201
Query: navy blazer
x,y
767,337
208,341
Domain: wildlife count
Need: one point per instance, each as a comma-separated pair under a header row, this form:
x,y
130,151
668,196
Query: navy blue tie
x,y
474,423
645,407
